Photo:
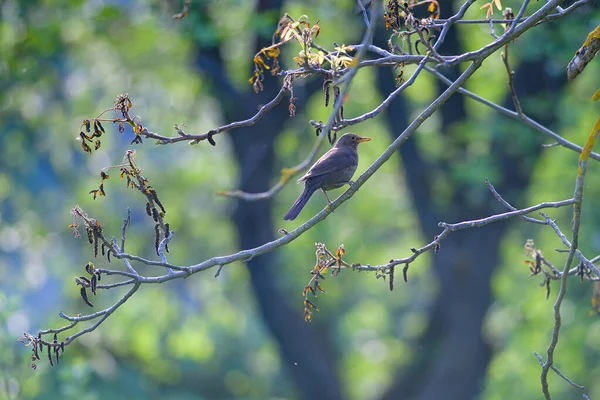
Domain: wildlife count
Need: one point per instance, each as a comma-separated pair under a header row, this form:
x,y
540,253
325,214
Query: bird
x,y
333,170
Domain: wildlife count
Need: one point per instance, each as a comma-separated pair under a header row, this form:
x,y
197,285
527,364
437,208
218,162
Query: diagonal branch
x,y
286,175
509,113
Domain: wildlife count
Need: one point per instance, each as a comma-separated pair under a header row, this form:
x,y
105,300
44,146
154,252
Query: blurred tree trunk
x,y
453,356
306,359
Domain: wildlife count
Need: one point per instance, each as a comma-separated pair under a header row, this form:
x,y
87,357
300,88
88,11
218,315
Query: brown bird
x,y
334,169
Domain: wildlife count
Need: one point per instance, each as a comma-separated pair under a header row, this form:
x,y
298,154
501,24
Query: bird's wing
x,y
333,160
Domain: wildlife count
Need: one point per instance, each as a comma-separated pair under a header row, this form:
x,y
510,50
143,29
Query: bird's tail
x,y
299,204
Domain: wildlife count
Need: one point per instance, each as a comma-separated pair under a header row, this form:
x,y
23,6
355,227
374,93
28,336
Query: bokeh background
x,y
464,326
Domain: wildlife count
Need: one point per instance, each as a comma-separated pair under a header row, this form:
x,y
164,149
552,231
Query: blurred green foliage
x,y
203,337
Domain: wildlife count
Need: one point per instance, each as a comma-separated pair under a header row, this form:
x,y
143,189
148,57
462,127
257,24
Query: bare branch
x,y
347,122
508,36
573,247
126,223
541,361
511,82
286,175
507,204
513,25
588,263
564,12
449,228
448,24
196,138
364,13
102,314
505,111
485,221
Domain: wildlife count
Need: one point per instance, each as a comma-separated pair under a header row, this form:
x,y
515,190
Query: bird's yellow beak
x,y
364,139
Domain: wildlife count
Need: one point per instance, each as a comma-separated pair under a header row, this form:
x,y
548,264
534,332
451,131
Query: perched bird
x,y
334,169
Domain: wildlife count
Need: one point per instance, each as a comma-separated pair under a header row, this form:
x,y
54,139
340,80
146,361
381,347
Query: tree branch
x,y
197,138
509,113
573,247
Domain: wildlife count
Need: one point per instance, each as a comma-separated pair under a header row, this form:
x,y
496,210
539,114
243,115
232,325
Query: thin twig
x,y
589,264
511,82
497,217
440,22
149,262
196,138
508,36
117,284
513,24
449,228
287,175
578,197
564,12
541,361
364,13
102,314
507,204
384,104
492,30
126,223
450,21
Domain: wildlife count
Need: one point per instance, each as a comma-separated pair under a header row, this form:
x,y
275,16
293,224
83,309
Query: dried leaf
x,y
309,304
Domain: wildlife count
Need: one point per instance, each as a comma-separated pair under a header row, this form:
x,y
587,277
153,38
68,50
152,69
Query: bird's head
x,y
351,140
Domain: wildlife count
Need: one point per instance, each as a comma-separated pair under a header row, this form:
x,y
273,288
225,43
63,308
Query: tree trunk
x,y
305,357
453,356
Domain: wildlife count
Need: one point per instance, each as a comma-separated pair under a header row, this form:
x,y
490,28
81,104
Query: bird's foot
x,y
328,207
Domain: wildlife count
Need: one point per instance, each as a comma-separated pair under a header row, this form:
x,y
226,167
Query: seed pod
x,y
84,296
93,284
211,140
50,355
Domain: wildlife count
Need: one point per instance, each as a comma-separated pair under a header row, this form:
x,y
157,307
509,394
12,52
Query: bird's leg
x,y
327,197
